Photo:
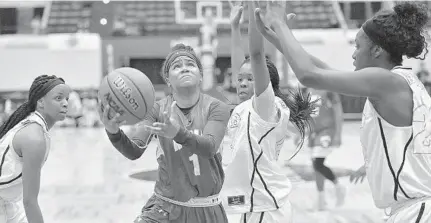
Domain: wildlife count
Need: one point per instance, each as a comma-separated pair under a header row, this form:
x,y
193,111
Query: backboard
x,y
193,12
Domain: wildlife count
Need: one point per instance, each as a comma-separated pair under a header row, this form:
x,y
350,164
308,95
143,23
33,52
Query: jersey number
x,y
195,161
193,158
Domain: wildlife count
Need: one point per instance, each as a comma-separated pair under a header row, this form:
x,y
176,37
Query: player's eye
x,y
191,64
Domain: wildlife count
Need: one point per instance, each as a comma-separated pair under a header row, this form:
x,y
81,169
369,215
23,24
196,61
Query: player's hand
x,y
170,126
236,10
112,125
358,175
267,32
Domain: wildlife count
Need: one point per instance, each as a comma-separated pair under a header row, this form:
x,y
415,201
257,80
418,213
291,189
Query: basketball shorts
x,y
281,215
322,148
12,212
158,210
418,212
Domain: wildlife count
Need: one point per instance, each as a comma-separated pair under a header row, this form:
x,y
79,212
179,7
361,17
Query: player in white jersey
x,y
255,184
396,120
24,147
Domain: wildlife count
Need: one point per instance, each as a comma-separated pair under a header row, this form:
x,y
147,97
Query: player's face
x,y
55,102
184,72
362,56
245,86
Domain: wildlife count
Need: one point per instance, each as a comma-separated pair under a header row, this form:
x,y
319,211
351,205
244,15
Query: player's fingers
x,y
290,16
152,129
116,118
174,104
166,117
238,15
100,110
106,112
159,125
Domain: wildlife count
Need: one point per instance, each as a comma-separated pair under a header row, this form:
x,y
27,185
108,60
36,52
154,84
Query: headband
x,y
178,53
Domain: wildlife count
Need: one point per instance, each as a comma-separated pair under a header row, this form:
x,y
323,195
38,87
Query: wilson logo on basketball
x,y
126,92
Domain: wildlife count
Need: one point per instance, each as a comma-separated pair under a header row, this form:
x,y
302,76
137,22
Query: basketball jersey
x,y
182,174
254,181
324,118
398,159
11,163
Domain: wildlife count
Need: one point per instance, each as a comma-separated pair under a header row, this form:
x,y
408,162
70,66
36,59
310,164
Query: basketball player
x,y
190,126
24,147
323,137
396,119
256,186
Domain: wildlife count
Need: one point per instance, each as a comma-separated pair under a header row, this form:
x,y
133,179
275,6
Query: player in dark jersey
x,y
323,138
190,126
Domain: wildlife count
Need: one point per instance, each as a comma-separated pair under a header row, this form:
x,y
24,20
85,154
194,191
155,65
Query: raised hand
x,y
112,125
169,127
236,9
268,33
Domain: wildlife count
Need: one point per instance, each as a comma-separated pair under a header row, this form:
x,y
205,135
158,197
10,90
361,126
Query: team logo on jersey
x,y
236,200
422,128
234,120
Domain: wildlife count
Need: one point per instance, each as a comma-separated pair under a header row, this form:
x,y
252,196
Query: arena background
x,y
85,179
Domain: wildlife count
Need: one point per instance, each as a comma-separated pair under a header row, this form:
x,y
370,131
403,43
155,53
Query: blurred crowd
x,y
82,110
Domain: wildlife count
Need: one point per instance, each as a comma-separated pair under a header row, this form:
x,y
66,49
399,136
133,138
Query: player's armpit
x,y
207,145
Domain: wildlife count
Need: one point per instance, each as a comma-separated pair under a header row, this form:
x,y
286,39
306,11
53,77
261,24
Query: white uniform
x,y
11,187
254,181
398,159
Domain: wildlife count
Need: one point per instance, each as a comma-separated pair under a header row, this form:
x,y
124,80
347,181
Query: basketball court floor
x,y
85,180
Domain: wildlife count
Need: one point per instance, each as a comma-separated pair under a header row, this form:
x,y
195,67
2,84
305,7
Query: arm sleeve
x,y
207,145
134,145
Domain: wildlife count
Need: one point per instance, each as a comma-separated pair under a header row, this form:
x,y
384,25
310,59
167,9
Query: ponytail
x,y
301,108
20,114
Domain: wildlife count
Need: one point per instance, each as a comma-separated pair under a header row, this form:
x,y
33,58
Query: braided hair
x,y
38,89
301,106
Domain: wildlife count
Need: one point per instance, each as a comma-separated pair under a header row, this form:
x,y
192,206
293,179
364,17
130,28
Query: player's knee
x,y
318,164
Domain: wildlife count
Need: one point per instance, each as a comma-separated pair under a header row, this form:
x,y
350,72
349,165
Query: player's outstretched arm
x,y
207,144
133,144
237,52
30,141
264,102
272,37
368,82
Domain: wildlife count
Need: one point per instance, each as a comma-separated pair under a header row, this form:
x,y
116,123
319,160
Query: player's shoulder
x,y
243,106
31,134
215,104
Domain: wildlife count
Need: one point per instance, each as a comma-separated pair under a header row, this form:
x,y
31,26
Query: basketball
x,y
129,92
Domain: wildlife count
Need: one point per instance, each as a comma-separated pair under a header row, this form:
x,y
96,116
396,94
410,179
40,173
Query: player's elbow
x,y
308,78
133,156
30,201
